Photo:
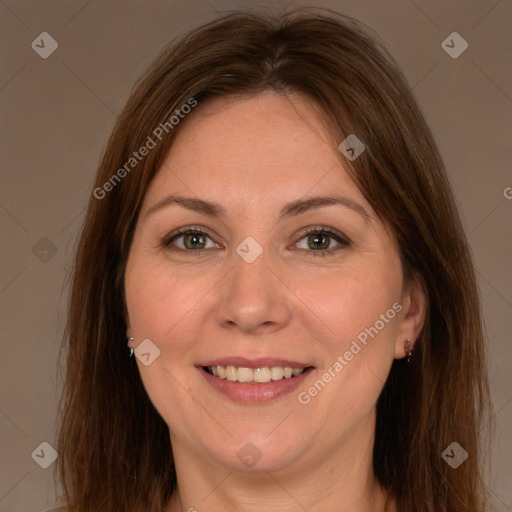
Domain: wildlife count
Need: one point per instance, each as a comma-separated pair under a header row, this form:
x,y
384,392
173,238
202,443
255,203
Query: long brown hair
x,y
114,448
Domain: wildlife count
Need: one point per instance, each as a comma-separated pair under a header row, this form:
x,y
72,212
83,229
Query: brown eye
x,y
194,240
319,242
188,240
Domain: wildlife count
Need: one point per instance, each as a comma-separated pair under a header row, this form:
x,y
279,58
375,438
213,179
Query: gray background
x,y
56,115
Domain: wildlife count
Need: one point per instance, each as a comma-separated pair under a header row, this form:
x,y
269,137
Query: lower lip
x,y
255,393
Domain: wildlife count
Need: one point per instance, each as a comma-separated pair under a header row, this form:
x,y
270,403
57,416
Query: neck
x,y
340,480
271,495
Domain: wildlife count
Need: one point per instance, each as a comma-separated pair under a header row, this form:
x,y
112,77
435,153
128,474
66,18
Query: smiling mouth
x,y
261,375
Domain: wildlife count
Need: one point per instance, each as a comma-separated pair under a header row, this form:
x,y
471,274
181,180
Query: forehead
x,y
265,148
267,124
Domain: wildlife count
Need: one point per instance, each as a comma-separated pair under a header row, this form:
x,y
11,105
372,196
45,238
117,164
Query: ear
x,y
412,316
129,337
128,327
126,318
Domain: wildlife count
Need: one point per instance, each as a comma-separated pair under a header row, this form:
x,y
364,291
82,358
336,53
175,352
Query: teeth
x,y
276,372
231,373
260,374
244,374
256,375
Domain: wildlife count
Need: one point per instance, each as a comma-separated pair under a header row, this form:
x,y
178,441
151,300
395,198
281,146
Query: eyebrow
x,y
291,209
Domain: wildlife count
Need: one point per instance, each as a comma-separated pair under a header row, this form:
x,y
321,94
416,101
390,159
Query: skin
x,y
253,155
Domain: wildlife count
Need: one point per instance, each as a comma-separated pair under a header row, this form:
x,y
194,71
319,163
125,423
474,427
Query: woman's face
x,y
250,288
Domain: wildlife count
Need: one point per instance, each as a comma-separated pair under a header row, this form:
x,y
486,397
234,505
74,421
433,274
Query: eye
x,y
320,239
191,240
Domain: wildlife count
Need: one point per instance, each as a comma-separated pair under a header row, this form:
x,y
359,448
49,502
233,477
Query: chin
x,y
259,451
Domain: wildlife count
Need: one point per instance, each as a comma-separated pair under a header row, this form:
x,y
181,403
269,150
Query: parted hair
x,y
114,448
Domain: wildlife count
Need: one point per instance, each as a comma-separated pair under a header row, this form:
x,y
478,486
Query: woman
x,y
263,378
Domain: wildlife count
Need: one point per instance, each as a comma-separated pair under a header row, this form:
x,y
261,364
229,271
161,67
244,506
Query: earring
x,y
408,350
129,345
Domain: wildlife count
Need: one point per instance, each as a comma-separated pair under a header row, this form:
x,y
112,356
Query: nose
x,y
253,297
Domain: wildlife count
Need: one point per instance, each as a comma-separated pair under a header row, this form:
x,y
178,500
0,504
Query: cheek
x,y
162,305
166,307
354,301
359,347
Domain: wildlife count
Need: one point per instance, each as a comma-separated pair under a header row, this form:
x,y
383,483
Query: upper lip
x,y
260,362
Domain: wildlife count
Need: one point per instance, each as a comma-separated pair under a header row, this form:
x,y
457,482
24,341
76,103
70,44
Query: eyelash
x,y
342,240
